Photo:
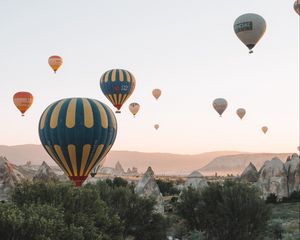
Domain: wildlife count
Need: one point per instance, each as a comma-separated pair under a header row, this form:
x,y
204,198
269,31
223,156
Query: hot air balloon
x,y
97,167
264,129
117,85
298,148
241,112
77,133
220,104
156,126
134,108
55,62
156,93
297,6
23,101
249,28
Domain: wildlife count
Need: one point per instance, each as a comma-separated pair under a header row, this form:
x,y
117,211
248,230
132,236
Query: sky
x,y
188,49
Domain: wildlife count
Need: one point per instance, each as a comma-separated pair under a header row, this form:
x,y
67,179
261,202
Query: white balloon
x,y
249,28
220,104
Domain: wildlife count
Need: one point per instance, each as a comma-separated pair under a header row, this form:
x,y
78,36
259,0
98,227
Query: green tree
x,y
136,214
167,188
232,211
83,209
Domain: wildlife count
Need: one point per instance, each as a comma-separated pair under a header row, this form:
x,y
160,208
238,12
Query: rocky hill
x,y
237,163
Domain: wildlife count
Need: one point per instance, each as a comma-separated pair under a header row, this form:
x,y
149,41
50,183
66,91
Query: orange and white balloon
x,y
156,93
241,112
264,129
55,62
134,108
23,101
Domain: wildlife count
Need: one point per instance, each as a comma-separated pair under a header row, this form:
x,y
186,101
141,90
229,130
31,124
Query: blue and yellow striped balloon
x,y
77,133
117,85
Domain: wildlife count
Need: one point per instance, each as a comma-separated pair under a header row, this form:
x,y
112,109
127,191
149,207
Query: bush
x,y
59,211
167,188
272,198
232,211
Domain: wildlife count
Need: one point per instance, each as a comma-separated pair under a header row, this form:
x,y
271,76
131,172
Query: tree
x,y
167,188
136,214
231,211
86,214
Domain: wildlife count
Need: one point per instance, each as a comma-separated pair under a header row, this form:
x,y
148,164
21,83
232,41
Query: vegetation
x,y
294,197
55,211
231,211
111,210
167,188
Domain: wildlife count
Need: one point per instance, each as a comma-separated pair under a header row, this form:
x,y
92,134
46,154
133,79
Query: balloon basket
x,y
78,180
118,111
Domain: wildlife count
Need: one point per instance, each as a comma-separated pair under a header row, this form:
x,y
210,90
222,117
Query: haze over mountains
x,y
235,164
161,163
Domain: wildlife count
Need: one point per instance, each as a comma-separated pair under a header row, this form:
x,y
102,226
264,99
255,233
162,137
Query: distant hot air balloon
x,y
241,112
23,101
264,129
156,126
156,93
220,104
134,108
249,28
95,169
77,133
55,62
117,85
297,6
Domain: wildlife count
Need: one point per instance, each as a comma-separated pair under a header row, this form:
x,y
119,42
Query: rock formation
x,y
250,174
292,166
119,171
147,187
273,178
196,180
45,173
9,177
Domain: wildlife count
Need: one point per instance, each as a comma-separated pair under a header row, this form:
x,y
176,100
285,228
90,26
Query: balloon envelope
x,y
117,85
134,108
156,126
55,62
241,112
156,93
264,129
297,6
23,101
77,133
249,28
220,104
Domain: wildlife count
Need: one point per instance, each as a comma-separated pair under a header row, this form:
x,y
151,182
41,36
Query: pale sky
x,y
186,48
